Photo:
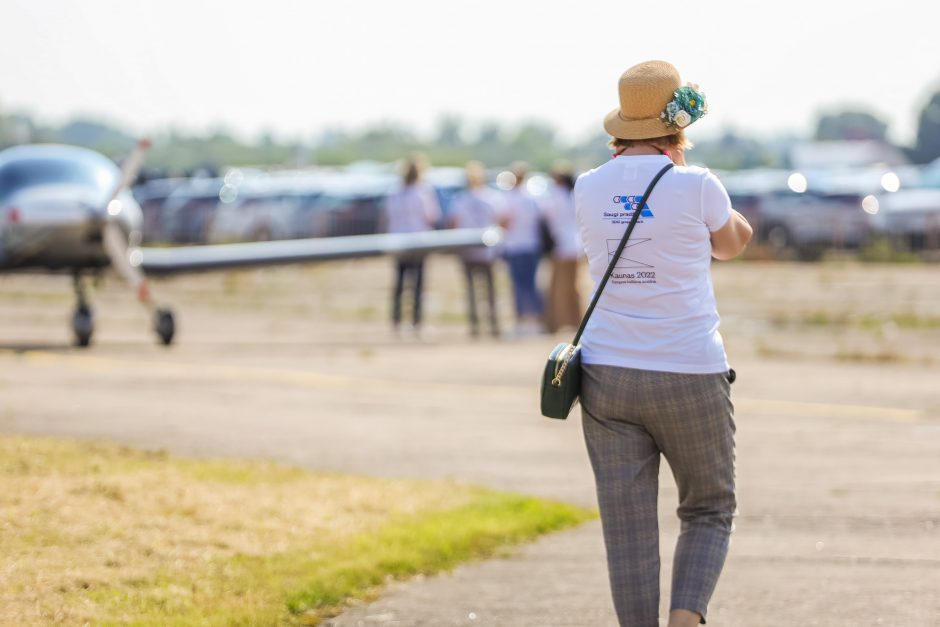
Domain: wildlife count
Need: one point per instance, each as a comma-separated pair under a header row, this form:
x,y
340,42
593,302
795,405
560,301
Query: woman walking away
x,y
656,379
414,207
564,301
476,208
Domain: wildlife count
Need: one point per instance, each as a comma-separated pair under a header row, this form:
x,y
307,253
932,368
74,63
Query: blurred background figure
x,y
519,214
476,208
412,208
564,301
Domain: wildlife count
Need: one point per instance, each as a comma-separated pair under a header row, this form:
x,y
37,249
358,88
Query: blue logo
x,y
633,203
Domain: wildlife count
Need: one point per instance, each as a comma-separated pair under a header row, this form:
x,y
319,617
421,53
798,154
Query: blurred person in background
x,y
412,208
475,208
655,377
564,302
520,214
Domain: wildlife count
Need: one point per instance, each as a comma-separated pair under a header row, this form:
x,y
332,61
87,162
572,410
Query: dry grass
x,y
100,533
836,311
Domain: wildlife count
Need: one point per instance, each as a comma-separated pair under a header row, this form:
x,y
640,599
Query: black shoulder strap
x,y
616,257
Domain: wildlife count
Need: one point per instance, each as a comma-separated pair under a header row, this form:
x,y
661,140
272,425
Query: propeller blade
x,y
130,168
125,261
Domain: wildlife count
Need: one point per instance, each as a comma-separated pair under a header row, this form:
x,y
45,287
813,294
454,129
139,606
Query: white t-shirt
x,y
523,213
658,309
413,208
475,209
563,223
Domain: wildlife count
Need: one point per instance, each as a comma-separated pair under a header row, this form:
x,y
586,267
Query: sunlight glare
x,y
505,180
234,177
228,193
797,183
492,237
536,185
890,182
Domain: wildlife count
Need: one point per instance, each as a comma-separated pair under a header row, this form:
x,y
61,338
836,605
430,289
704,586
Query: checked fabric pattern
x,y
630,418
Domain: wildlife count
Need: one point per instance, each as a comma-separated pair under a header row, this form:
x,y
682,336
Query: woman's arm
x,y
730,240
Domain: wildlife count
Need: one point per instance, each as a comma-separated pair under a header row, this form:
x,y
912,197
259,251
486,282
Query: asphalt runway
x,y
837,448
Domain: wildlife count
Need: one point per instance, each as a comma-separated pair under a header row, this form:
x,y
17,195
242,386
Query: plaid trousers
x,y
630,417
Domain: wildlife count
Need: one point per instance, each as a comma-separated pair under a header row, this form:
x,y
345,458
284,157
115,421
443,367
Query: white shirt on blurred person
x,y
520,214
476,208
559,211
412,208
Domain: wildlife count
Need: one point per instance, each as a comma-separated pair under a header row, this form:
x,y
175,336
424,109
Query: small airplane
x,y
65,209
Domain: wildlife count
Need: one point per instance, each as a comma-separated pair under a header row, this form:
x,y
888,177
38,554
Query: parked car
x,y
910,216
295,205
809,212
264,207
813,221
350,204
188,211
259,217
747,189
152,196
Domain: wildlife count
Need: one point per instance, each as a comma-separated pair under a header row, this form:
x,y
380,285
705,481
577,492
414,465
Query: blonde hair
x,y
476,174
676,140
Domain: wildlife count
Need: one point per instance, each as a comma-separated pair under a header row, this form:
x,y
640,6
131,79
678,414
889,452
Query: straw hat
x,y
645,90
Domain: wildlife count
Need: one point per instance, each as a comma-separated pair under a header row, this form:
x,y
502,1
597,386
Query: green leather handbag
x,y
561,379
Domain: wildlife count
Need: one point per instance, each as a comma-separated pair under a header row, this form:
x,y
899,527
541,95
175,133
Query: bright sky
x,y
298,67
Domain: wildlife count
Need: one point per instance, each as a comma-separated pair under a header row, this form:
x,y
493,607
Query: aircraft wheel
x,y
165,326
83,325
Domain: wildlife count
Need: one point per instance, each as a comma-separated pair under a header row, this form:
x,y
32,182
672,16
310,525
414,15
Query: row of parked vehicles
x,y
254,206
804,213
807,213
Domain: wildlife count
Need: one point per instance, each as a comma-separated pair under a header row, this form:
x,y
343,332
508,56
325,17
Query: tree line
x,y
452,142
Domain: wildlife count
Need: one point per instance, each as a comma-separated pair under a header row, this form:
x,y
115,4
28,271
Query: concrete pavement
x,y
839,485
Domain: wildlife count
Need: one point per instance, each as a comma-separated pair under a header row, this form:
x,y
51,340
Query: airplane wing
x,y
157,261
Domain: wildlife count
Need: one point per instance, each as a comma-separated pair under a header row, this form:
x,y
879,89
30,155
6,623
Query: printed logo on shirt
x,y
633,203
630,204
627,269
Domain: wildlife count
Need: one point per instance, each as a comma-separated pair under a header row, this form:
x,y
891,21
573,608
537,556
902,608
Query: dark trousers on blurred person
x,y
410,272
477,272
523,267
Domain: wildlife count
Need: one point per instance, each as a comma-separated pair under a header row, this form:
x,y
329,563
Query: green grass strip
x,y
307,584
428,544
101,534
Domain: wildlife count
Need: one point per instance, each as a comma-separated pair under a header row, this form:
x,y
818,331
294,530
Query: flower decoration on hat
x,y
687,105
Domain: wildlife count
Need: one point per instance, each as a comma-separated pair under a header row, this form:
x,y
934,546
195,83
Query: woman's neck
x,y
639,150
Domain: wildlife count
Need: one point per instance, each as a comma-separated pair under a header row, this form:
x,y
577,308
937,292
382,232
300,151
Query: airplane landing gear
x,y
83,325
83,320
164,325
